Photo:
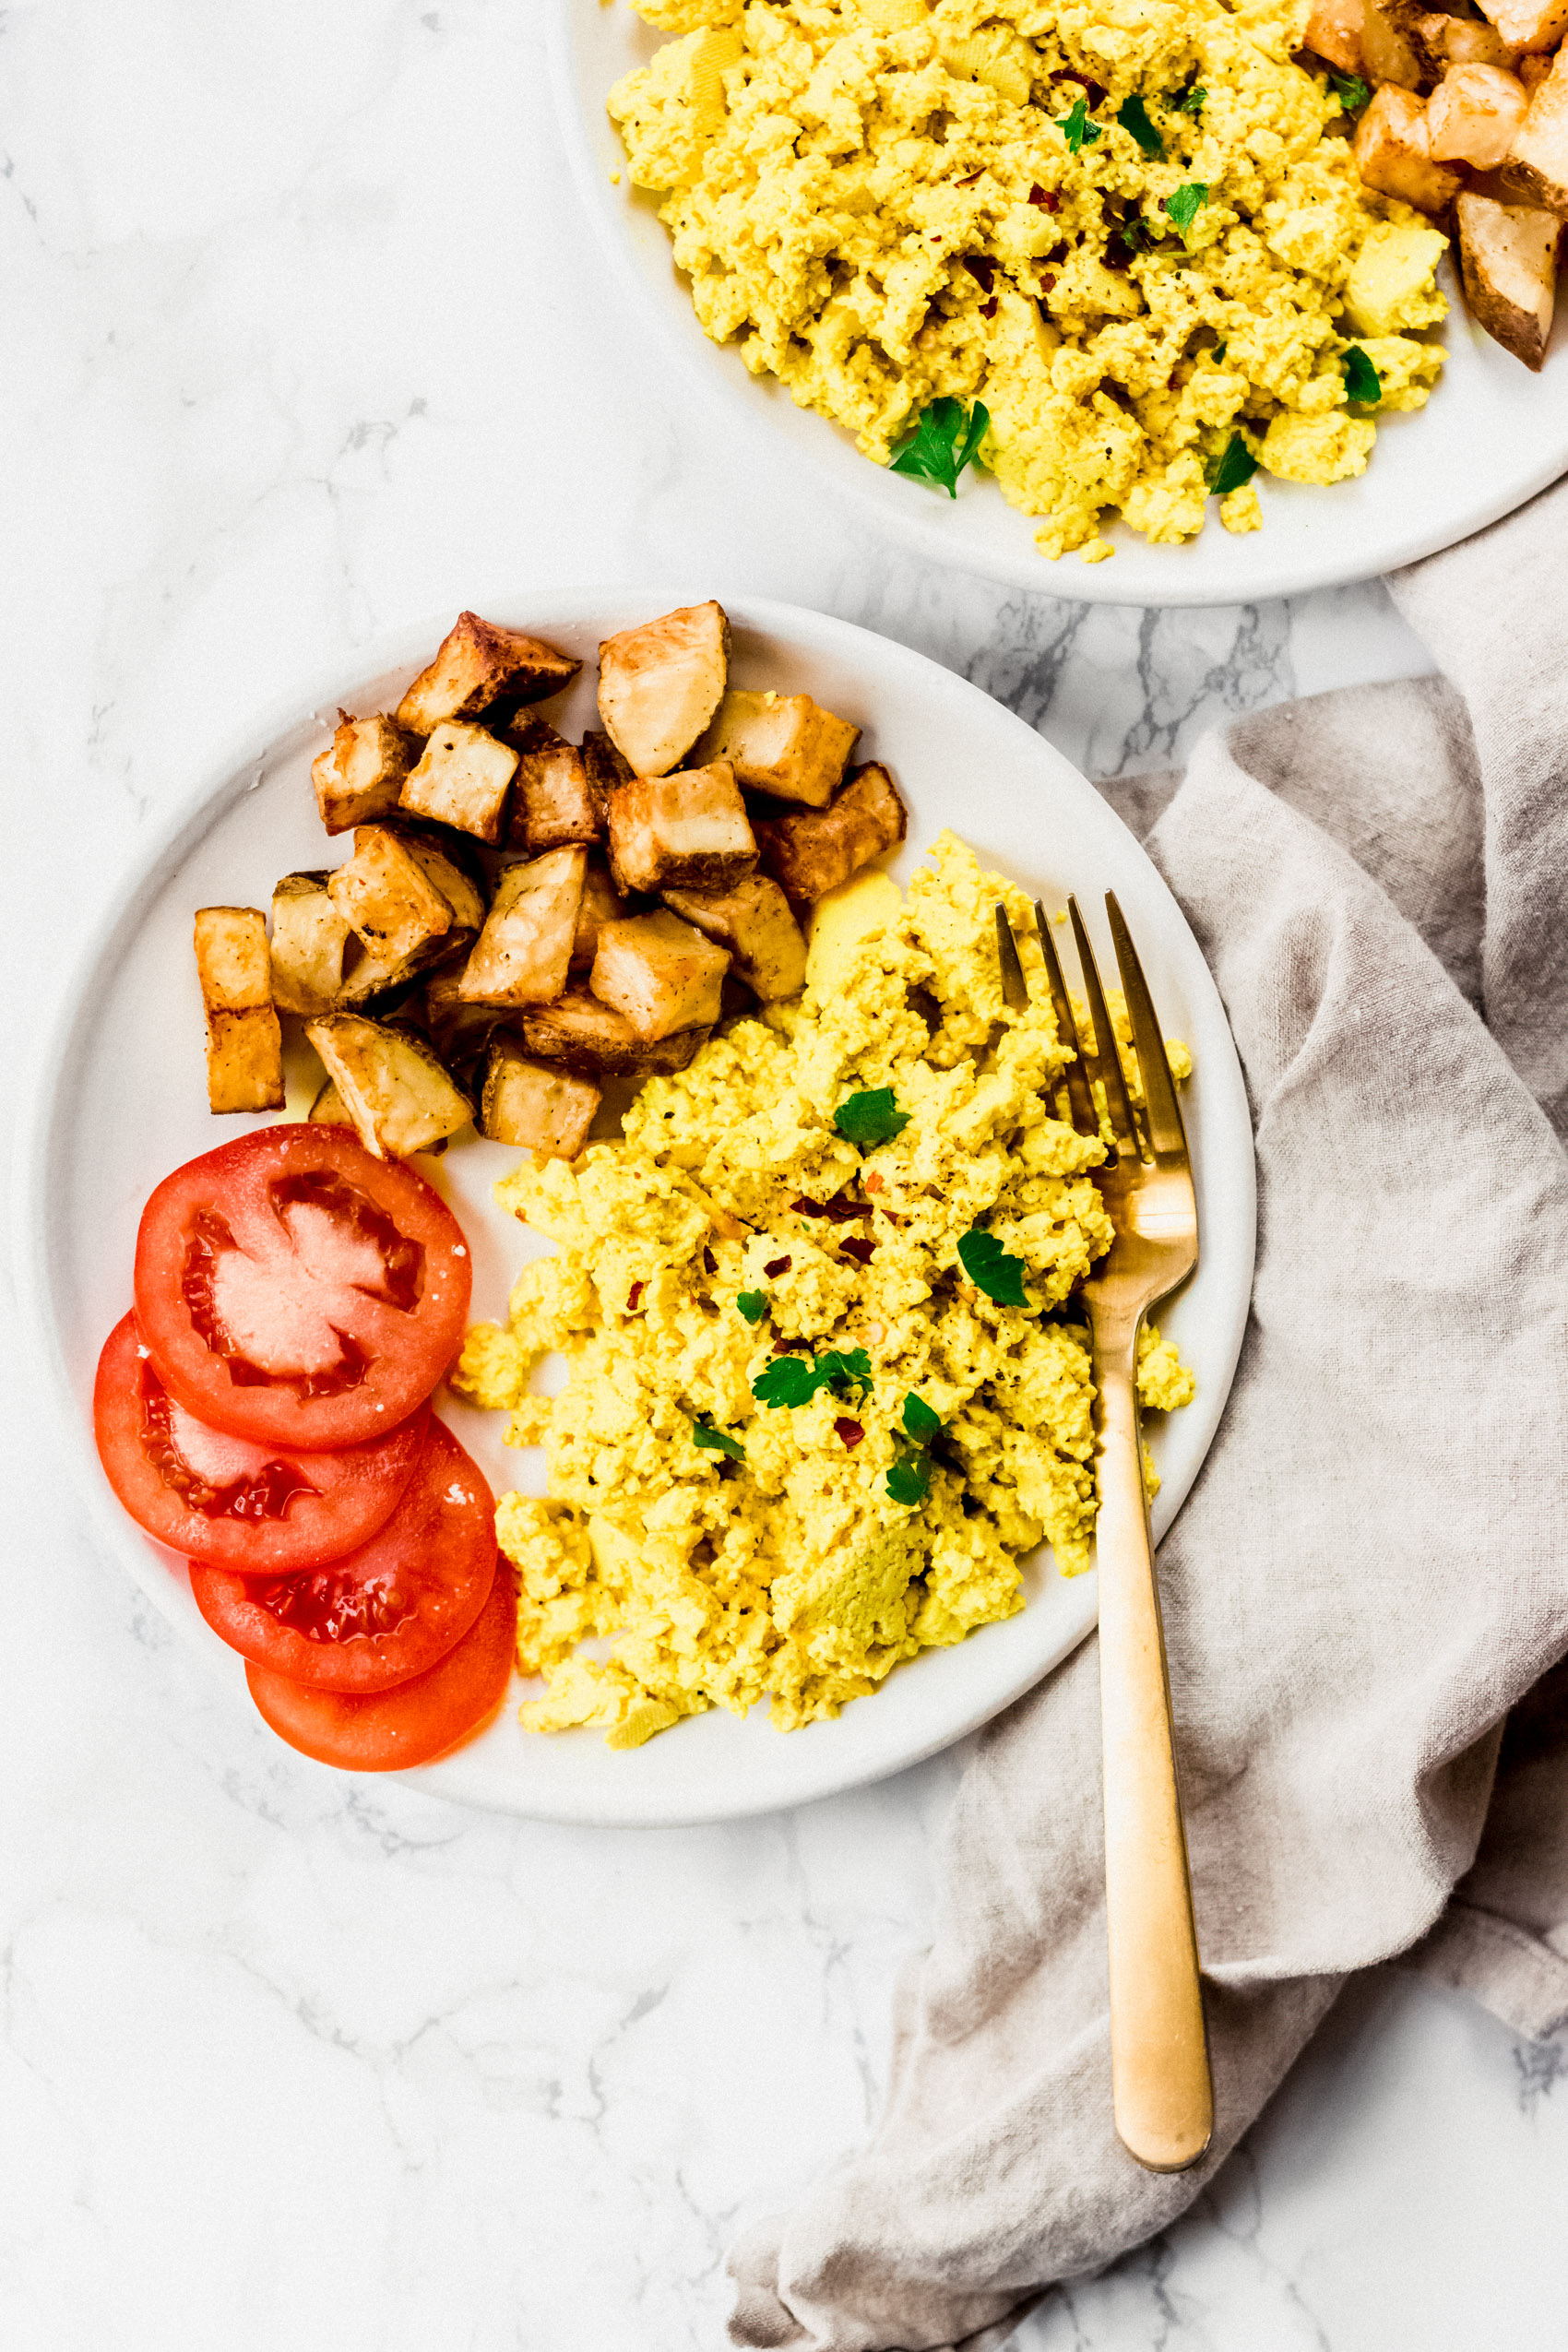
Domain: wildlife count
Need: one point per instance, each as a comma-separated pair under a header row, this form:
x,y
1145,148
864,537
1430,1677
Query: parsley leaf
x,y
989,1268
790,1380
1232,469
1184,207
1192,99
871,1118
717,1441
1362,381
1076,127
941,446
1350,91
840,1371
909,1479
920,1421
753,1304
1134,116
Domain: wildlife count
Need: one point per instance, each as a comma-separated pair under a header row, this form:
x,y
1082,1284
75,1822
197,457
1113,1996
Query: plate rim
x,y
238,760
1086,584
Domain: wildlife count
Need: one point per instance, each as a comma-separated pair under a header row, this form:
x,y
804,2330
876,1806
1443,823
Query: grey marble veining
x,y
306,336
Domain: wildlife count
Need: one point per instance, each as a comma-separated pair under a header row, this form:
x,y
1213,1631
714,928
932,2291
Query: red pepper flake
x,y
791,1347
981,270
1047,286
856,1249
1047,198
970,181
988,310
778,1266
710,1261
841,1208
1094,92
850,1432
634,1295
873,1181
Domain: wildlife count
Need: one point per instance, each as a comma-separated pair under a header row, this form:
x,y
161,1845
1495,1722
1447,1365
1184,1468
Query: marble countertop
x,y
306,336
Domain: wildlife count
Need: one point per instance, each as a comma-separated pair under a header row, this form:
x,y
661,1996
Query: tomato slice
x,y
388,1612
254,1509
414,1723
295,1291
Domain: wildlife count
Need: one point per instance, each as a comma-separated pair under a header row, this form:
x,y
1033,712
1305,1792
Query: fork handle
x,y
1164,2101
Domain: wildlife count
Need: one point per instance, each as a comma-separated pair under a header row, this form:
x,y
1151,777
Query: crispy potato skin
x,y
1508,255
524,952
580,1033
553,804
462,779
396,1096
754,919
601,903
533,1105
659,685
1536,168
1391,152
815,850
689,830
245,1043
660,973
481,663
1393,50
360,775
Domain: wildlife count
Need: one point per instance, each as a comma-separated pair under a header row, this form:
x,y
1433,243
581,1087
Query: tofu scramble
x,y
1133,229
741,1545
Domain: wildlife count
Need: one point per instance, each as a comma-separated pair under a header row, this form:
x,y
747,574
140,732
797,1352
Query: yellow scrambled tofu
x,y
1133,229
795,1544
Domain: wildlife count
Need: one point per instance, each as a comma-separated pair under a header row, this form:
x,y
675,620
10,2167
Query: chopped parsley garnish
x,y
1350,91
717,1441
1192,99
942,444
1219,352
1232,469
788,1381
919,1421
1076,127
1362,381
753,1304
909,1478
871,1118
1132,116
989,1268
1184,207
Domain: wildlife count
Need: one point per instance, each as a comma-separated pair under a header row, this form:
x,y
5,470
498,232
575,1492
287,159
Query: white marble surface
x,y
304,335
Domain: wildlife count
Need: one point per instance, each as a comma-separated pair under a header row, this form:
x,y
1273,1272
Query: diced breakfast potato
x,y
376,980
360,775
1390,272
310,939
552,802
1532,69
396,1095
659,686
462,779
1529,24
579,1033
328,1110
601,903
660,973
785,744
245,1044
388,895
690,830
533,1105
1333,30
479,664
1536,168
523,953
1392,48
459,1030
1473,115
606,768
814,851
453,868
1508,254
1391,152
754,919
1465,40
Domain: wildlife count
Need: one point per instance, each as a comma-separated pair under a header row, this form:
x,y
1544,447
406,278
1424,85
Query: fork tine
x,y
1014,988
1105,1062
1080,1102
1161,1109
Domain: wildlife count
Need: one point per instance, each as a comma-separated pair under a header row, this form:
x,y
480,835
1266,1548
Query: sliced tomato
x,y
389,1610
295,1291
414,1723
254,1509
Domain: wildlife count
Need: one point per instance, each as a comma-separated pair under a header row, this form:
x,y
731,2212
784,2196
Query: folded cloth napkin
x,y
1370,1571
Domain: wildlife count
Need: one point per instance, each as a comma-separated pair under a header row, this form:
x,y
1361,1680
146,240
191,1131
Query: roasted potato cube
x,y
659,686
605,767
479,664
383,980
245,1044
454,870
1392,48
1508,254
398,1096
752,919
328,1110
462,779
1391,152
1536,168
1333,30
1473,115
386,894
553,805
690,830
815,849
785,744
661,973
533,1105
580,1033
309,940
1529,24
460,1032
1465,40
525,949
360,775
601,903
1532,69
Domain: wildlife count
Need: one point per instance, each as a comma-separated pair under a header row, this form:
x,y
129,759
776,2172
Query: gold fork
x,y
1164,2101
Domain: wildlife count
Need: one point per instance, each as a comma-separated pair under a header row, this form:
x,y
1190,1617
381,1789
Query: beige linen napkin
x,y
1371,1570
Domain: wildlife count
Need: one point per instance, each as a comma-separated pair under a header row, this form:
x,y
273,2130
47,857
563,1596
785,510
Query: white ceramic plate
x,y
124,1104
1492,435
